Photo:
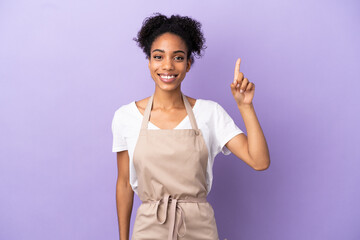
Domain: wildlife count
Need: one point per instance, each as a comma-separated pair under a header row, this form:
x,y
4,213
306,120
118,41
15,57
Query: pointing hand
x,y
242,90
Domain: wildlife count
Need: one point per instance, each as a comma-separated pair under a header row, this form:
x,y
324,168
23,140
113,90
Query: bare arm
x,y
124,195
252,149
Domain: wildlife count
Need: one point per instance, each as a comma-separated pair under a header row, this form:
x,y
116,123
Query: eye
x,y
157,57
179,58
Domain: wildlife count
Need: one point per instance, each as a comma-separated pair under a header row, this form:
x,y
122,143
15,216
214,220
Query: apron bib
x,y
171,169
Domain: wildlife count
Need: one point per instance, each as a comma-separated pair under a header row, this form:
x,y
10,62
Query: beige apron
x,y
171,168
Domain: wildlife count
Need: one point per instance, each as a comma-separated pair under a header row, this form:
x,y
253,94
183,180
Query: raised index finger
x,y
237,69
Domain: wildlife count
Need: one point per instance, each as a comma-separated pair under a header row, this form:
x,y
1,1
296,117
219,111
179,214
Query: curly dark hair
x,y
185,27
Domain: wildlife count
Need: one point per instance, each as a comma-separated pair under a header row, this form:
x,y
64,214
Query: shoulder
x,y
207,105
208,112
124,108
125,112
207,102
212,112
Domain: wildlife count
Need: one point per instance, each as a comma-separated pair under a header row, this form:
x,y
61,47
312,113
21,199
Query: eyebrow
x,y
160,50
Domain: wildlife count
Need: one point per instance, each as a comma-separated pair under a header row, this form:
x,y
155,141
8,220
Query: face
x,y
168,62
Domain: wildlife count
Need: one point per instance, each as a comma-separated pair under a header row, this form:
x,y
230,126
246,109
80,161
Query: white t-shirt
x,y
213,121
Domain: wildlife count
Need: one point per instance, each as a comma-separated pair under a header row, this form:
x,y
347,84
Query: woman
x,y
167,158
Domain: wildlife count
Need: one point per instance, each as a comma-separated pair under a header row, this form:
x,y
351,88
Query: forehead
x,y
169,42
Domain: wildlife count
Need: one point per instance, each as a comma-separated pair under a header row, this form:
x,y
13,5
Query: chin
x,y
168,87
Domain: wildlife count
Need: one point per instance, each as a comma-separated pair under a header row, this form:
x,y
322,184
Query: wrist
x,y
245,106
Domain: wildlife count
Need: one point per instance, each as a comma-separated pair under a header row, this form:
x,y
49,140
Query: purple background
x,y
66,66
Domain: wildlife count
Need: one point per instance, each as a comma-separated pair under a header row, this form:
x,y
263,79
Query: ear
x,y
188,65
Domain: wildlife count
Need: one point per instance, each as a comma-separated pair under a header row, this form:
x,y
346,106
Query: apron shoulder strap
x,y
144,124
190,112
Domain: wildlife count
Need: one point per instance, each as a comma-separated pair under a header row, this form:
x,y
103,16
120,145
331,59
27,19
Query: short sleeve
x,y
119,143
225,129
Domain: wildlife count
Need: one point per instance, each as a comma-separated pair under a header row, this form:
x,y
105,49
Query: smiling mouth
x,y
167,78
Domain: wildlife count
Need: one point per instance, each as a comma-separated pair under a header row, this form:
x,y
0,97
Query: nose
x,y
168,64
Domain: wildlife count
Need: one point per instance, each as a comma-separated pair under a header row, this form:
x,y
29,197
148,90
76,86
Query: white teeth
x,y
163,76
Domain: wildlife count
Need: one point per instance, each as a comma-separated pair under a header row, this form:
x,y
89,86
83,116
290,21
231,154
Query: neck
x,y
167,99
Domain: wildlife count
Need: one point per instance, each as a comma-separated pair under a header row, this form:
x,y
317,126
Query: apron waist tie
x,y
173,231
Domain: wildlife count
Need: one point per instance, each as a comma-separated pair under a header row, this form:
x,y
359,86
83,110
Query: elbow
x,y
123,183
263,166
